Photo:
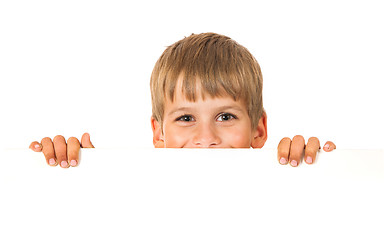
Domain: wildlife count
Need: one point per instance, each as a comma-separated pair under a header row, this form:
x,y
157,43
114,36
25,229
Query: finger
x,y
35,146
329,146
48,151
283,150
73,147
60,147
296,150
312,148
86,142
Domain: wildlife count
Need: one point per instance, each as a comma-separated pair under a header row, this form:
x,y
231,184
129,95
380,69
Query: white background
x,y
191,194
67,67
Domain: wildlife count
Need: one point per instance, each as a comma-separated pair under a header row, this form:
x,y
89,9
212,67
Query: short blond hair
x,y
222,67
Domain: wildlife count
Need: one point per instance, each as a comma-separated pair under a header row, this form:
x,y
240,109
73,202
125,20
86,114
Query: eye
x,y
225,117
185,118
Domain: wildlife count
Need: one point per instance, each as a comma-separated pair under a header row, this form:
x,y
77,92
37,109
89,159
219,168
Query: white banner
x,y
192,194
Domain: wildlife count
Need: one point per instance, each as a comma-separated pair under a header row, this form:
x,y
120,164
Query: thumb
x,y
36,146
86,142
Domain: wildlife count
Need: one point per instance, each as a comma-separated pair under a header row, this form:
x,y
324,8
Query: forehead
x,y
202,99
193,90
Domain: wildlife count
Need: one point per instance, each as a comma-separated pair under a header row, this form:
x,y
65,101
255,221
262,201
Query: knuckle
x,y
73,139
58,137
313,144
295,155
286,139
61,156
283,152
284,143
72,154
73,149
310,152
298,138
46,139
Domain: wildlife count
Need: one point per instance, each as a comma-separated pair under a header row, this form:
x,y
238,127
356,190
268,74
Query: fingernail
x,y
37,146
73,163
63,164
309,160
283,161
52,162
294,163
327,146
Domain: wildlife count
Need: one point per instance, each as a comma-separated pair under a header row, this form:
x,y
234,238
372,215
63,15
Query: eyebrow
x,y
220,109
180,109
236,108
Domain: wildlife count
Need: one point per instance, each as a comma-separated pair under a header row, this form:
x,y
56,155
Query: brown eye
x,y
226,117
185,118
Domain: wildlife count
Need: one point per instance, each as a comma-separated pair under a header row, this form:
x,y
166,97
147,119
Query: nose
x,y
206,136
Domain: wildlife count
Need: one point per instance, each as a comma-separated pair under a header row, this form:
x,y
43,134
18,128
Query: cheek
x,y
175,138
238,138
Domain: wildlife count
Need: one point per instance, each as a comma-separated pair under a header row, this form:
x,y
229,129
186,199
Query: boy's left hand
x,y
292,151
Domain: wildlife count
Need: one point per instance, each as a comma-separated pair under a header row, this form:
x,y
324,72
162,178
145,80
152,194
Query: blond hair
x,y
221,65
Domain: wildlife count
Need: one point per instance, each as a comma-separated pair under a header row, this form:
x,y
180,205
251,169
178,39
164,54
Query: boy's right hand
x,y
58,152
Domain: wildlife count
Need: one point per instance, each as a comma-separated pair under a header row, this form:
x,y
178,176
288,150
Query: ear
x,y
158,140
260,134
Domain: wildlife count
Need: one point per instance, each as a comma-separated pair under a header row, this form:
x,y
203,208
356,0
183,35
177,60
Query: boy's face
x,y
217,122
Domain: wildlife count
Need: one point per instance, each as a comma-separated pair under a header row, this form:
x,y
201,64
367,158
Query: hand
x,y
292,151
58,152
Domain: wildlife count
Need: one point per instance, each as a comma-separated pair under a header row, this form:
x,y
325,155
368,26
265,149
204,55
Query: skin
x,y
58,152
218,122
196,124
224,125
291,151
64,153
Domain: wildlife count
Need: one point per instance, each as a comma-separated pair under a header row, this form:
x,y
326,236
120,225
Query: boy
x,y
206,92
